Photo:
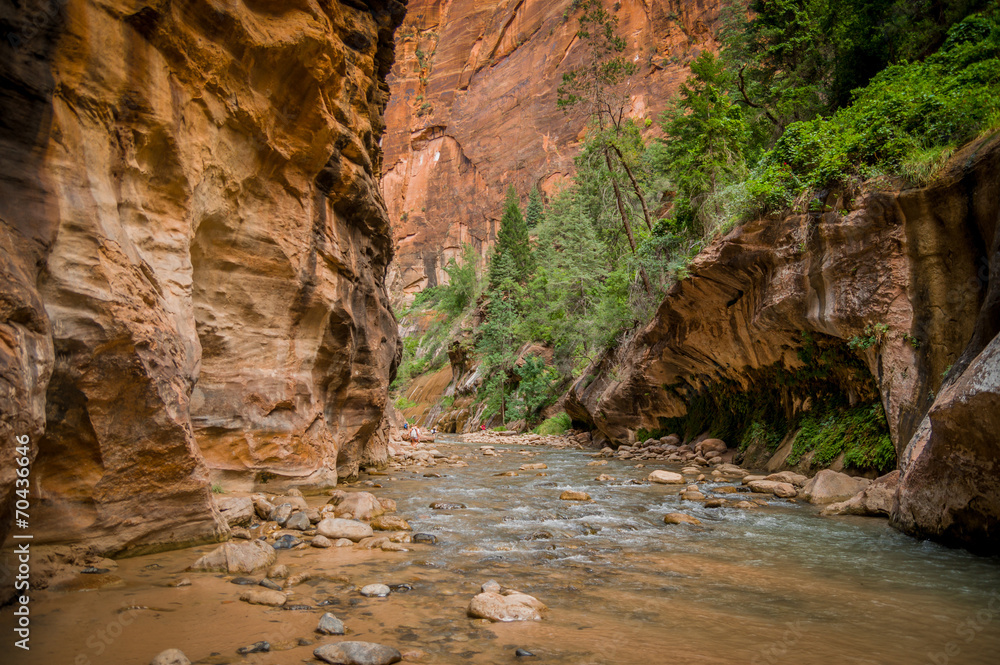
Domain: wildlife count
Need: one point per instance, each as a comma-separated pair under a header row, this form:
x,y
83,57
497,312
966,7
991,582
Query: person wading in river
x,y
414,435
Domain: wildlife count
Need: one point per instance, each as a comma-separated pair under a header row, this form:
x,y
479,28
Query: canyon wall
x,y
473,110
194,251
923,262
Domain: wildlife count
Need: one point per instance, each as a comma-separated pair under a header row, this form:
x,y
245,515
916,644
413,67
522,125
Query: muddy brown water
x,y
775,585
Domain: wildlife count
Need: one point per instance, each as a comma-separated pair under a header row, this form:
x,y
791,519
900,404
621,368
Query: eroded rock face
x,y
473,110
924,262
193,249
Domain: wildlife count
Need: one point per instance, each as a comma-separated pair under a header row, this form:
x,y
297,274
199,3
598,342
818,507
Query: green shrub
x,y
402,402
557,424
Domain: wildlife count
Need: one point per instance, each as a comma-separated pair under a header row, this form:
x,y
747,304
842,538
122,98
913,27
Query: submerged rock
x,y
375,590
427,538
680,518
264,597
444,505
665,477
330,625
256,647
573,495
357,653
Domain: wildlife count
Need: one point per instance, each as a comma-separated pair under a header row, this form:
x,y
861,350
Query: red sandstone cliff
x,y
193,251
473,109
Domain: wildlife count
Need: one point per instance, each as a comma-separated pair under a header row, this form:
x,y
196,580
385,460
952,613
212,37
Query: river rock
x,y
242,557
711,448
236,510
286,542
600,462
873,501
278,572
796,479
490,586
680,518
532,467
335,527
170,657
665,477
357,653
778,489
444,505
330,625
375,590
321,541
263,597
829,486
281,513
262,506
426,538
256,647
510,606
604,478
388,505
749,478
359,506
573,495
390,523
298,521
692,496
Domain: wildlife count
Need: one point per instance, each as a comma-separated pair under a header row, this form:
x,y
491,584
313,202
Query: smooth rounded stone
x,y
388,505
725,489
359,506
262,506
490,586
321,541
692,496
744,505
298,521
511,606
236,510
574,495
278,572
796,479
604,478
313,515
506,474
264,597
242,557
330,625
170,657
239,533
298,579
692,488
390,523
665,477
335,527
537,466
357,653
680,518
778,489
286,542
425,538
715,460
270,584
179,583
343,542
523,653
256,647
749,478
715,503
600,462
390,546
873,501
711,447
732,470
670,440
375,590
830,487
281,513
444,505
245,581
690,471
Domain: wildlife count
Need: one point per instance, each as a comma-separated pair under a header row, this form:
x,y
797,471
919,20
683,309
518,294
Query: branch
x,y
743,91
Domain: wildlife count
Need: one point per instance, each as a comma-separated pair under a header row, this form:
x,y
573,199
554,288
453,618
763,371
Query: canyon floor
x,y
776,583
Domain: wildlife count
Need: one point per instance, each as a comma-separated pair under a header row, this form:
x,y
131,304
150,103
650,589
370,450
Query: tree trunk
x,y
625,222
635,186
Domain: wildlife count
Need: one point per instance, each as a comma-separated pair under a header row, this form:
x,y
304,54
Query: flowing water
x,y
779,584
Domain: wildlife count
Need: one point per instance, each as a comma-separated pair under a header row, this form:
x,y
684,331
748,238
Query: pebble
x,y
444,505
573,495
270,584
427,538
524,653
375,590
330,625
286,542
250,581
321,541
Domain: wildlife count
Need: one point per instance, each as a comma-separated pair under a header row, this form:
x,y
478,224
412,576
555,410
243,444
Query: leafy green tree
x,y
463,282
497,344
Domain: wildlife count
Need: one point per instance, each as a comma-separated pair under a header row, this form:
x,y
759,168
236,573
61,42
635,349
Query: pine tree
x,y
497,345
512,240
533,214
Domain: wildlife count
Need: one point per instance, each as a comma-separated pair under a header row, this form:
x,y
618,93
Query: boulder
x,y
873,501
665,477
711,447
170,657
573,495
778,489
680,518
390,523
281,513
359,506
796,479
262,506
670,440
336,528
357,653
236,510
830,487
242,557
511,606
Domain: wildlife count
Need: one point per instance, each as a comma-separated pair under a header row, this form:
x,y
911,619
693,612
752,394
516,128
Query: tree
x,y
463,282
534,212
497,345
512,240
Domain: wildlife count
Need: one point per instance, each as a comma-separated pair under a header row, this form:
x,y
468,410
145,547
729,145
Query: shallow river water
x,y
779,584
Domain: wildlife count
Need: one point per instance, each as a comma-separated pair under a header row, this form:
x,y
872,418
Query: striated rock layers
x,y
923,262
193,249
473,110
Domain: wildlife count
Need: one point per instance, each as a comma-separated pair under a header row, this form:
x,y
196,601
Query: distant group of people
x,y
414,432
